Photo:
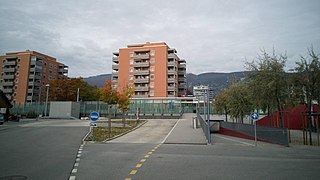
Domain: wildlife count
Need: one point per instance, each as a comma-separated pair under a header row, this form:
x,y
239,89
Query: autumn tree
x,y
67,89
221,103
124,101
109,95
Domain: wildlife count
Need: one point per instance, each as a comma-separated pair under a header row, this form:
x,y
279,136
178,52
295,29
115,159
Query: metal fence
x,y
204,125
146,107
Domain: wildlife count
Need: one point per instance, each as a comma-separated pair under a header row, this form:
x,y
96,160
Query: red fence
x,y
292,118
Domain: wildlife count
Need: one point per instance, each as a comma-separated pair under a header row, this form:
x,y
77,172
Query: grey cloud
x,y
212,35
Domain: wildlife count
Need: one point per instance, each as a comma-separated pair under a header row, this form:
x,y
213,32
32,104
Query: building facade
x,y
203,92
24,75
152,69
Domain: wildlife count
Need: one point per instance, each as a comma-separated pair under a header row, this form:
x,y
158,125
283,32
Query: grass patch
x,y
102,133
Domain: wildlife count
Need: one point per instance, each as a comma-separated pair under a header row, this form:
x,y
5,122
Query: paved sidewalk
x,y
183,132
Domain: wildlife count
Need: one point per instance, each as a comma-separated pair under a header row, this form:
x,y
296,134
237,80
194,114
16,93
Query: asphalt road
x,y
135,156
40,150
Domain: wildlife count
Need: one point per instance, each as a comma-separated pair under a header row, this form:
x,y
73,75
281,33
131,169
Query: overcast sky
x,y
212,35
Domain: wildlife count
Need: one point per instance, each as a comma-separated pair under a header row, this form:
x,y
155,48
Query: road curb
x,y
125,132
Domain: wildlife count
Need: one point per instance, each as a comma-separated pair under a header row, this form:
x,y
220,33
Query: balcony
x,y
140,57
115,66
172,56
171,72
171,80
171,88
9,63
31,83
115,59
8,70
172,63
7,84
140,96
8,77
33,91
142,88
7,90
32,98
146,80
182,66
143,72
171,95
182,86
181,79
63,70
141,64
114,74
36,63
34,76
35,69
181,72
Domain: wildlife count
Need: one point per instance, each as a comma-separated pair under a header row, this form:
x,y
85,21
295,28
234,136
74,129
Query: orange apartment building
x,y
153,69
24,75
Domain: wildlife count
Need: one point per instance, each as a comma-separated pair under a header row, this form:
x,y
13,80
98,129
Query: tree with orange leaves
x,y
110,96
124,101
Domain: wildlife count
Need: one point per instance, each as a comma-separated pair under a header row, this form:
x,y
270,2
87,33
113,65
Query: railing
x,y
205,127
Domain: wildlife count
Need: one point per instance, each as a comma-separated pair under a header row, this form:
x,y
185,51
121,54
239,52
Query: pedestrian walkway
x,y
184,133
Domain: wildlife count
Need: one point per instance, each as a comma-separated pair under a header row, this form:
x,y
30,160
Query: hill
x,y
217,81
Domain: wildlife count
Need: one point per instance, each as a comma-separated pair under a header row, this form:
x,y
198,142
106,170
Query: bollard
x,y
194,123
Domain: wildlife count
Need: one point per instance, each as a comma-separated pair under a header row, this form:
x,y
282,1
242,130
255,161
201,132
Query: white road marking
x,y
234,140
78,159
72,178
170,132
76,164
74,170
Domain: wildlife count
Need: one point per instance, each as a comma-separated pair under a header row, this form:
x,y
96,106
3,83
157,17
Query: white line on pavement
x,y
236,141
170,132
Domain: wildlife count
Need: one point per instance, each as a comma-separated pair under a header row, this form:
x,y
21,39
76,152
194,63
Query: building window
x,y
50,65
151,93
151,84
17,73
18,67
50,72
131,61
152,60
152,76
131,69
131,78
17,80
131,54
45,64
151,68
152,53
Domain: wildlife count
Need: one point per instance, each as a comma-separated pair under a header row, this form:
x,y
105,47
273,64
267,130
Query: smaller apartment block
x,y
153,69
24,75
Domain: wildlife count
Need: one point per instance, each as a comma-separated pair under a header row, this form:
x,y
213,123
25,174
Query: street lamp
x,y
46,107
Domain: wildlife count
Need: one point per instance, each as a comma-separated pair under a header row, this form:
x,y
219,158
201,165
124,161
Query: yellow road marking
x,y
143,160
138,165
149,152
127,179
146,156
133,172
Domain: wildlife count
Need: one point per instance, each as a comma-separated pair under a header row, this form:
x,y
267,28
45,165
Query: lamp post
x,y
46,106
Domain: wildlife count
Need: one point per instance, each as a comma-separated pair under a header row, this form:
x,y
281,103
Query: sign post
x,y
254,118
94,116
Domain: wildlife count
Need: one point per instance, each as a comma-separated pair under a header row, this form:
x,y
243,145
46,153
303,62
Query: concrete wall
x,y
64,109
266,134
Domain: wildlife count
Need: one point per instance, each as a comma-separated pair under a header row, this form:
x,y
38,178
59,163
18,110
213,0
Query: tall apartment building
x,y
24,75
153,69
